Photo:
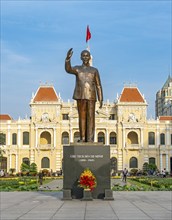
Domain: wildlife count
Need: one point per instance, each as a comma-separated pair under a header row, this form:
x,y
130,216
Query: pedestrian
x,y
164,173
2,173
40,175
125,172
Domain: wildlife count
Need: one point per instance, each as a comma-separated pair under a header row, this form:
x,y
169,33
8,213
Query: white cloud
x,y
10,57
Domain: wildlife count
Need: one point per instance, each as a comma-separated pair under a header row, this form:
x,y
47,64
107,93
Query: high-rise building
x,y
123,124
164,99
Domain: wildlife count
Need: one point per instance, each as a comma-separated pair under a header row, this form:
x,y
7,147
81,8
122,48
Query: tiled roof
x,y
46,94
5,117
165,118
131,95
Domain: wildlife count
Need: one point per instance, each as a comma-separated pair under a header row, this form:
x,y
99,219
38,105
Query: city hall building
x,y
123,125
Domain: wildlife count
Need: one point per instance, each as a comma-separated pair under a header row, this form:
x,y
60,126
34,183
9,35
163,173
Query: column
x,y
167,161
107,137
8,136
32,156
157,137
167,137
120,160
124,141
16,163
10,161
58,160
71,136
36,137
54,137
19,135
141,141
95,136
160,162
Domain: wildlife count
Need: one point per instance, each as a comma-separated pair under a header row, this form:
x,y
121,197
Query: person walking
x,y
40,176
125,172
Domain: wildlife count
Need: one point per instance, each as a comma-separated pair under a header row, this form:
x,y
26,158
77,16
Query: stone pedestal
x,y
77,157
108,194
87,195
67,194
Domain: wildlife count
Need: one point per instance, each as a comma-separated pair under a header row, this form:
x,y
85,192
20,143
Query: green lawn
x,y
145,184
26,183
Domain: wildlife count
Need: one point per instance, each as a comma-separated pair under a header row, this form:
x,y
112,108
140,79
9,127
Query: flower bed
x,y
18,184
159,183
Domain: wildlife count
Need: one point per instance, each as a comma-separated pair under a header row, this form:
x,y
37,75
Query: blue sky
x,y
131,43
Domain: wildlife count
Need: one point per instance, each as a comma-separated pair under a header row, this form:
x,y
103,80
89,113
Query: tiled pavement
x,y
48,205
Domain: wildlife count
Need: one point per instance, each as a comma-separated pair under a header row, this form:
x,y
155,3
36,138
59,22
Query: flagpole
x,y
88,46
88,37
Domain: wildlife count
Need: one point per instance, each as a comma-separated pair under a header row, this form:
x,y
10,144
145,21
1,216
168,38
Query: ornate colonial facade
x,y
163,102
123,125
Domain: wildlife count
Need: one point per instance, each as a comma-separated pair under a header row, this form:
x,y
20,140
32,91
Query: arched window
x,y
101,137
162,139
132,138
133,162
26,160
151,138
25,138
2,139
45,162
113,139
113,165
3,163
152,160
14,139
65,138
76,136
45,138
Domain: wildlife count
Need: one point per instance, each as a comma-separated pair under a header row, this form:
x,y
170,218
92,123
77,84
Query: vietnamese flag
x,y
88,34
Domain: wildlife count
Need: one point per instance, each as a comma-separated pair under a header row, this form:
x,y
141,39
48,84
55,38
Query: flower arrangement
x,y
87,180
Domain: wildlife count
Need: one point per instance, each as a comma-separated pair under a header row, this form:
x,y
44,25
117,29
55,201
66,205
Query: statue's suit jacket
x,y
88,82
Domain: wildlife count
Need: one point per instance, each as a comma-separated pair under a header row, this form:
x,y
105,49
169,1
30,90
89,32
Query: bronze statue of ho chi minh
x,y
87,89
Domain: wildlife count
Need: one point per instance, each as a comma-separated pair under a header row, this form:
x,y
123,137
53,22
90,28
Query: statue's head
x,y
85,56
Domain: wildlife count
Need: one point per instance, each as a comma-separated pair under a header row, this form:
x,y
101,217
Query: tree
x,y
25,168
33,168
152,167
145,167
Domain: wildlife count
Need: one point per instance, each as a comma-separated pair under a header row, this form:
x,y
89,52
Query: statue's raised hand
x,y
69,54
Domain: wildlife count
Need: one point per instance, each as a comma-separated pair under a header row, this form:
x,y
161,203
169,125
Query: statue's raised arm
x,y
69,54
68,66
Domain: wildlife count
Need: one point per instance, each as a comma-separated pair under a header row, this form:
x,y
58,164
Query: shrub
x,y
33,168
46,172
152,167
145,167
24,168
133,172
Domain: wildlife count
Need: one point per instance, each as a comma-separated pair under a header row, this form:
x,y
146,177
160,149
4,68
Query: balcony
x,y
45,146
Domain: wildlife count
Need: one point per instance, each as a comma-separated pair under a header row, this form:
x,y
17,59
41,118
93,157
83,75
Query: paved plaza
x,y
48,205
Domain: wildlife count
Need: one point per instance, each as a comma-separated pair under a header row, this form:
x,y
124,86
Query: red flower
x,y
87,180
